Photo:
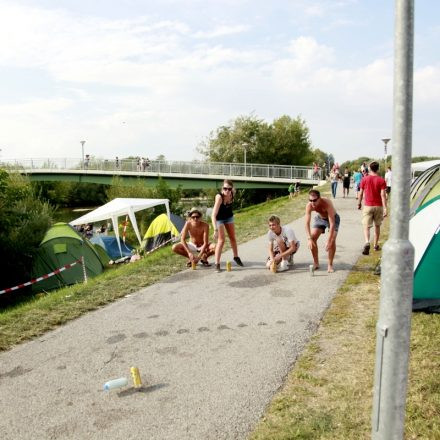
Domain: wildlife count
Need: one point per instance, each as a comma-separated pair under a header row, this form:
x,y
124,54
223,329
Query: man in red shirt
x,y
373,188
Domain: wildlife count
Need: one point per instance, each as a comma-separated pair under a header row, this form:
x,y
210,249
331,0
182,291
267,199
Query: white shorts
x,y
193,248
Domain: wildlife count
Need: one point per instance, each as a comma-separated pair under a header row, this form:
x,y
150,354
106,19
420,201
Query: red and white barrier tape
x,y
44,277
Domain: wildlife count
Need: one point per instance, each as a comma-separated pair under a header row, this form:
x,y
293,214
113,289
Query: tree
x,y
24,220
284,141
416,159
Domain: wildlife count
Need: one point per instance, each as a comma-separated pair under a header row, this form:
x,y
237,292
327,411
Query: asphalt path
x,y
212,350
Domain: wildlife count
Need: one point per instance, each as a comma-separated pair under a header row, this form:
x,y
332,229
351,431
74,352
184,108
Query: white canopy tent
x,y
121,207
422,166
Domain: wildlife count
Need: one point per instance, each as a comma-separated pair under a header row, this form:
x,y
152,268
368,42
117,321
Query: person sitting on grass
x,y
282,244
198,248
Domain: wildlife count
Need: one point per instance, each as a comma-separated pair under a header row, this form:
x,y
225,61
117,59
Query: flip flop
x,y
188,264
205,263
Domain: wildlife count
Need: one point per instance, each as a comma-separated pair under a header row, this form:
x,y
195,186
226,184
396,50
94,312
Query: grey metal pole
x,y
82,150
394,324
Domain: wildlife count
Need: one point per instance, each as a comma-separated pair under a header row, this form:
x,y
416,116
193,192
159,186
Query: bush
x,y
24,220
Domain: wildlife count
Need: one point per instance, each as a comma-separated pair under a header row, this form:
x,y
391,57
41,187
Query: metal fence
x,y
167,167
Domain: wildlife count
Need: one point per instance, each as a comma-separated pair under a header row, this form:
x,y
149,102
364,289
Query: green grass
x,y
32,318
328,393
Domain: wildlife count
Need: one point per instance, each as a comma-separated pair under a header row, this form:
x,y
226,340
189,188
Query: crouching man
x,y
282,244
198,248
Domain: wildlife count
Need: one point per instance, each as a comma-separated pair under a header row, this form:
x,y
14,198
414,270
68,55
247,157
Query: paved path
x,y
212,350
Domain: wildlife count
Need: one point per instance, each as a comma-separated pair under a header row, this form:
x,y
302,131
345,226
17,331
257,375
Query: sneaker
x,y
366,250
238,261
283,266
217,268
290,262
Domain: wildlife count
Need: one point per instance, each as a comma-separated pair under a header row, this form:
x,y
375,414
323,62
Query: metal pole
x,y
245,161
394,324
82,150
385,141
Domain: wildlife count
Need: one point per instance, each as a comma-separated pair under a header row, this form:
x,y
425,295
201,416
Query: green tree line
x,y
285,141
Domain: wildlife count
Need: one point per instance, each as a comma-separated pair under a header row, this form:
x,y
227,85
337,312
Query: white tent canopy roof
x,y
422,166
120,207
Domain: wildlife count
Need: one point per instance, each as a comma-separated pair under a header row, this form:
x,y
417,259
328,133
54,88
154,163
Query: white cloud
x,y
131,85
221,31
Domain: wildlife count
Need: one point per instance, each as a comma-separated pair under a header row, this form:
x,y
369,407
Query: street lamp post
x,y
245,145
82,150
385,141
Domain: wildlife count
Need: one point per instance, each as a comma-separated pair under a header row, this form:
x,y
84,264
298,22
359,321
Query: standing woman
x,y
223,218
346,179
334,177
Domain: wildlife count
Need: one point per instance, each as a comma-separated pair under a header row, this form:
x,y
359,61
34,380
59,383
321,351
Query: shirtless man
x,y
198,248
326,217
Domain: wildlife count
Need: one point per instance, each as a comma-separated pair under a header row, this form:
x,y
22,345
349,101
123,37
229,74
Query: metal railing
x,y
122,166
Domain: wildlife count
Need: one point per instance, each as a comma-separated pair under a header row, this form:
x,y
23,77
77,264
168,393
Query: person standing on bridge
x,y
223,219
326,217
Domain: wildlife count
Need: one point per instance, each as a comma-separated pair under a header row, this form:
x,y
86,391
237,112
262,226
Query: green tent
x,y
60,246
424,234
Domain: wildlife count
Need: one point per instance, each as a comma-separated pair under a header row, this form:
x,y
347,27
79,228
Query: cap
x,y
193,210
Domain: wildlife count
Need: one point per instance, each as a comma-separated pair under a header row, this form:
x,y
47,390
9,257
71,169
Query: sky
x,y
149,78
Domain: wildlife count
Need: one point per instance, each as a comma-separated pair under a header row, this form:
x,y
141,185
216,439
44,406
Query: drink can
x,y
137,383
312,270
228,266
115,383
193,265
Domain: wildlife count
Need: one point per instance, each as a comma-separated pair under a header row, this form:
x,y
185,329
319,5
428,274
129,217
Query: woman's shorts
x,y
225,221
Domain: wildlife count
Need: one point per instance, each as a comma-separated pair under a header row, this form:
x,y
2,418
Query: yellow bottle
x,y
273,267
228,266
193,265
137,383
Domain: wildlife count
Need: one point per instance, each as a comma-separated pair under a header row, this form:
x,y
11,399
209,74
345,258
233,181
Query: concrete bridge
x,y
189,175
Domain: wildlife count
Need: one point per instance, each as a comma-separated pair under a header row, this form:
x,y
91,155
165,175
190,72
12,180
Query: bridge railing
x,y
167,167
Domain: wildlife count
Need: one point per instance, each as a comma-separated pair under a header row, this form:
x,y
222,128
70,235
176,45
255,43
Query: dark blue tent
x,y
110,245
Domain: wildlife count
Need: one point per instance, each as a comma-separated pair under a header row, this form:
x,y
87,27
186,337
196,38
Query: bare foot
x,y
330,269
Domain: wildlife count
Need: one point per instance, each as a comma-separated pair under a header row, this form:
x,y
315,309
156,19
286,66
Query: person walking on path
x,y
334,177
198,248
223,219
373,187
291,190
326,217
388,179
283,244
357,177
346,183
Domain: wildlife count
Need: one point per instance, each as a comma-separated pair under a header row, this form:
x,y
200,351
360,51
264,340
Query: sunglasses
x,y
227,188
195,216
313,200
